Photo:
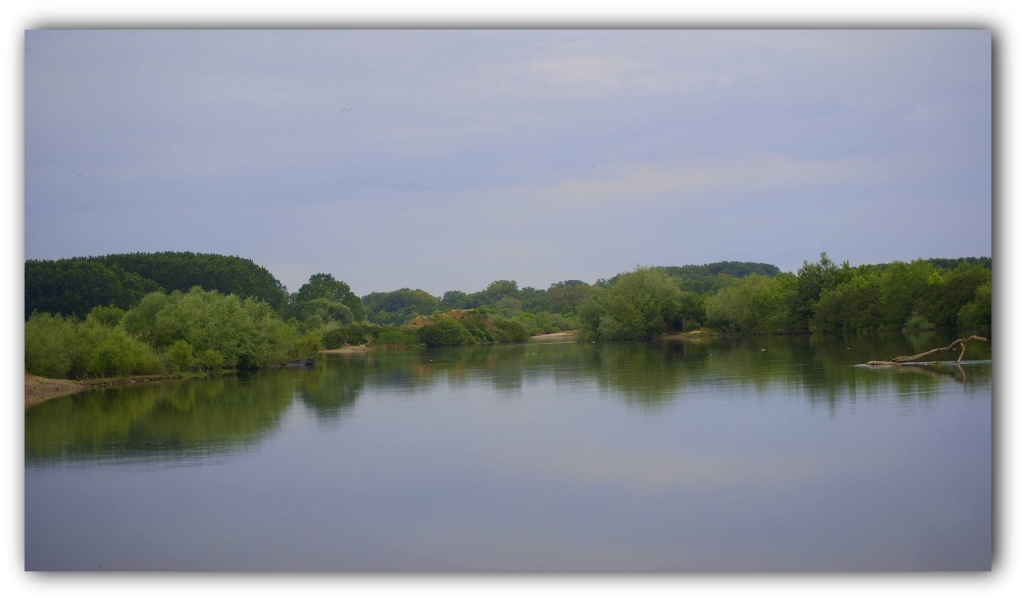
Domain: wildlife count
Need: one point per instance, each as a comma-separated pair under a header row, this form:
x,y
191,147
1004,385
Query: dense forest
x,y
171,312
74,286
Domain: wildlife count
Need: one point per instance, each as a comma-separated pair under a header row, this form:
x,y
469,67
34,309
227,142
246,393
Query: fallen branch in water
x,y
901,359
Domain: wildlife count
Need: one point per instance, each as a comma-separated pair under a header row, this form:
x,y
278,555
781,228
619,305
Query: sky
x,y
446,159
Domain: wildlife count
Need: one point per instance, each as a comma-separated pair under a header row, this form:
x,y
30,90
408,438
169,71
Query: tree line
x,y
821,297
74,286
94,317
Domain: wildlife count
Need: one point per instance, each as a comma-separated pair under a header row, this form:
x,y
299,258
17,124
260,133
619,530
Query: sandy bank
x,y
701,334
555,335
348,349
39,389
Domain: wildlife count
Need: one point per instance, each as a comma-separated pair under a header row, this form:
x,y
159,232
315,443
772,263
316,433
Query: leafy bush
x,y
356,333
50,342
245,333
395,339
180,356
511,330
323,285
210,360
445,330
307,346
639,304
917,322
978,313
108,316
119,355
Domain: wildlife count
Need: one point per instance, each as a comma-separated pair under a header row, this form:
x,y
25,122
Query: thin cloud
x,y
682,179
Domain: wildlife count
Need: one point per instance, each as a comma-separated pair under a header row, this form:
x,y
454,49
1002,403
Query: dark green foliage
x,y
397,307
917,322
709,277
180,357
951,263
566,295
394,301
543,322
638,305
322,285
182,271
478,324
246,334
119,355
735,308
852,307
211,360
741,269
456,300
977,314
499,289
825,297
357,333
323,308
692,311
50,345
511,330
814,279
396,339
73,287
507,307
535,300
141,320
58,347
445,330
945,297
308,345
108,316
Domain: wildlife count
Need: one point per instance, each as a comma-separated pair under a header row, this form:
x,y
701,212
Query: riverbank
x,y
347,349
39,389
557,335
698,334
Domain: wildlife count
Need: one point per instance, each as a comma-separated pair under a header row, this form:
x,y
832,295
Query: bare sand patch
x,y
39,389
555,335
347,349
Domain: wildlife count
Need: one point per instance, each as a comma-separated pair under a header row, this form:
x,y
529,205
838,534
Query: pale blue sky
x,y
468,156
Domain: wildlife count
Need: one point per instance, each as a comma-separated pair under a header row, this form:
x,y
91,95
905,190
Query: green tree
x,y
977,314
182,271
108,316
639,304
180,356
445,330
812,281
499,289
566,295
73,287
323,285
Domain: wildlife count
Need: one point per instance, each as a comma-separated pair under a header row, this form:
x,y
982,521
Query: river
x,y
759,454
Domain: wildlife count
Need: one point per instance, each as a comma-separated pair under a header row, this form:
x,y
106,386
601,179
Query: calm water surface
x,y
696,456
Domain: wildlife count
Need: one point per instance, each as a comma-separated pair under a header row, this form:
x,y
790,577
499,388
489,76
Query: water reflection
x,y
187,418
197,418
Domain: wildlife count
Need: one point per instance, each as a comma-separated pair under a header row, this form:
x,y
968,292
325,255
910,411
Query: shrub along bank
x,y
164,333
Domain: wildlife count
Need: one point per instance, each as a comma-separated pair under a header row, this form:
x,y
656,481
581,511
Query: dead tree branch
x,y
917,357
